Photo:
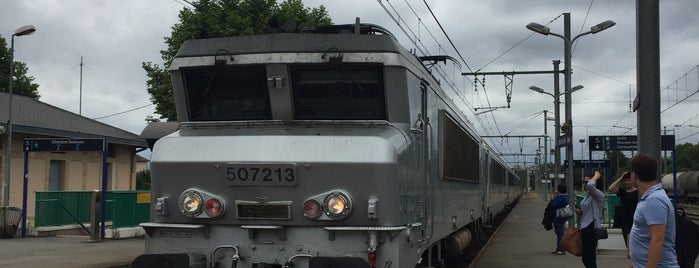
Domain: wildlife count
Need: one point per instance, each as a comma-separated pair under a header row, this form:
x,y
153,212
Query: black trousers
x,y
589,246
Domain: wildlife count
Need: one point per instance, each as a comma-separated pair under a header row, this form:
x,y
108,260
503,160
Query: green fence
x,y
610,203
124,208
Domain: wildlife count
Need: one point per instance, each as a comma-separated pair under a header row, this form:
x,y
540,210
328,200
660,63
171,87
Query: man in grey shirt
x,y
652,240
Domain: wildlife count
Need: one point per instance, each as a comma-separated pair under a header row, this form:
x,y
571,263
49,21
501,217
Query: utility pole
x,y
568,108
557,115
546,153
647,100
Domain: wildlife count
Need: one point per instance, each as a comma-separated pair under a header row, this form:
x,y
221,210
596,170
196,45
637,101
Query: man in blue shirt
x,y
652,241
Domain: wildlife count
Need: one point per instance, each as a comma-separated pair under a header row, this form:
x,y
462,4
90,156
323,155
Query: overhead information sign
x,y
626,143
602,163
63,145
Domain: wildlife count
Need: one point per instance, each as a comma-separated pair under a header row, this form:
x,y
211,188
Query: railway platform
x,y
69,252
521,241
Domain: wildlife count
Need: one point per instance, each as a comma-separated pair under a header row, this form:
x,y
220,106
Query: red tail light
x,y
312,209
213,207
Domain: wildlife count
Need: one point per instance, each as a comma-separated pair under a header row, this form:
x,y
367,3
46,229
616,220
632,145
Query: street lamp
x,y
556,123
555,95
568,42
24,30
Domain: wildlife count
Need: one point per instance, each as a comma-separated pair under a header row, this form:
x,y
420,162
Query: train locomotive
x,y
330,147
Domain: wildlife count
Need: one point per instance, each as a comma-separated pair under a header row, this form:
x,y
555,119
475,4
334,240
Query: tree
x,y
143,180
687,155
222,18
21,83
620,163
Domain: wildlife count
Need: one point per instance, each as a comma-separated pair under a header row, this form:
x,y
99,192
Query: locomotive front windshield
x,y
228,94
338,92
318,92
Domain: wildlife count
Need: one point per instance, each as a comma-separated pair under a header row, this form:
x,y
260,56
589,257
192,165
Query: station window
x,y
460,151
338,92
227,93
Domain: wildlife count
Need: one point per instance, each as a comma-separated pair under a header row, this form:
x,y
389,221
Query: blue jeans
x,y
558,228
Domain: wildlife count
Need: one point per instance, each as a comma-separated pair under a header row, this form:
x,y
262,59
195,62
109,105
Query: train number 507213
x,y
261,174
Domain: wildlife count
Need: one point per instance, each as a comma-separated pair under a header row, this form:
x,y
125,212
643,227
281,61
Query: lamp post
x,y
556,123
546,154
568,42
551,151
24,30
582,156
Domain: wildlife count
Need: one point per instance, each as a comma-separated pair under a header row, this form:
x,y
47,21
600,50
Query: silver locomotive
x,y
333,147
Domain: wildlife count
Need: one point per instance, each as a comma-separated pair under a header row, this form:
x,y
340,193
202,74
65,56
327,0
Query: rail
x,y
692,212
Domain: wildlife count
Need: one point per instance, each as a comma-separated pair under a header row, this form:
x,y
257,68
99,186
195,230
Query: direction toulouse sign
x,y
626,143
63,145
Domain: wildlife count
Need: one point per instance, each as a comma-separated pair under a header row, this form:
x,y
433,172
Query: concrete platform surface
x,y
68,251
522,241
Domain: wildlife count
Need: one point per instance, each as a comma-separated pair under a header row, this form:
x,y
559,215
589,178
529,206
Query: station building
x,y
63,171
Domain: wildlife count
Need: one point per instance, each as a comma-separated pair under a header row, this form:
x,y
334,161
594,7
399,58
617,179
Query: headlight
x,y
337,205
191,203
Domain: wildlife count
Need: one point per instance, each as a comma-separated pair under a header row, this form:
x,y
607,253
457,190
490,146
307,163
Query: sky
x,y
114,38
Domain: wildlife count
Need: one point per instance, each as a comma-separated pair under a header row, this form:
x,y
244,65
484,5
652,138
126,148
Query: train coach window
x,y
460,151
227,94
338,92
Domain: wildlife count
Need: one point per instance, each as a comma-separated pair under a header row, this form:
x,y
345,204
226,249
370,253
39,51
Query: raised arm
x,y
614,188
592,188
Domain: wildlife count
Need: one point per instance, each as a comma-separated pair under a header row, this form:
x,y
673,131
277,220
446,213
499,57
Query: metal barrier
x,y
75,220
131,208
124,208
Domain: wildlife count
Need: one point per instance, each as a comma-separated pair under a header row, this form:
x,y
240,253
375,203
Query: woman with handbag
x,y
623,214
590,214
559,201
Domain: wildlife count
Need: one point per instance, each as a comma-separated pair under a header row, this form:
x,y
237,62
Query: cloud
x,y
115,37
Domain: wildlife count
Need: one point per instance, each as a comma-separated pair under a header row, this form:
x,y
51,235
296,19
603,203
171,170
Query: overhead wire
x,y
667,89
507,51
531,117
602,75
403,25
462,59
417,43
130,110
447,35
582,27
515,45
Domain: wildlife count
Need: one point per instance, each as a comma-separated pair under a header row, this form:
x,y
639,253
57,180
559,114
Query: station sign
x,y
602,163
563,140
626,143
63,145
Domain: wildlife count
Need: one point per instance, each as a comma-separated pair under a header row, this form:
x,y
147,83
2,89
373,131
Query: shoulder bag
x,y
601,233
565,212
571,241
